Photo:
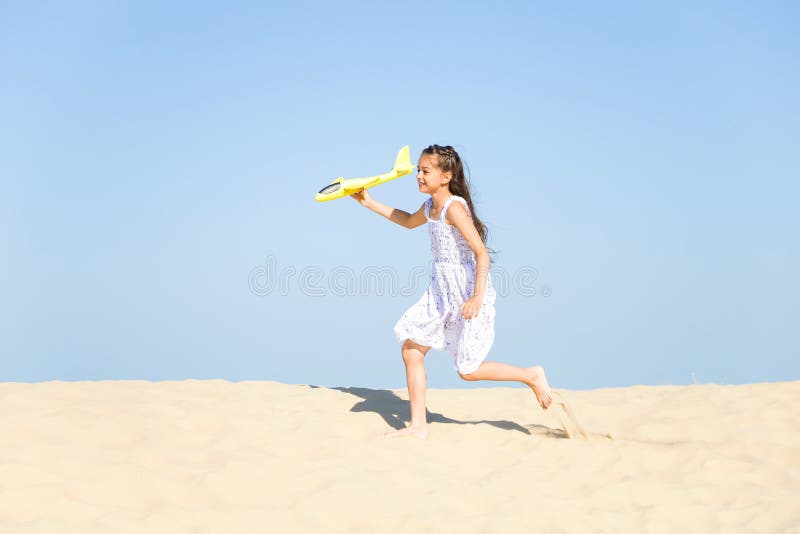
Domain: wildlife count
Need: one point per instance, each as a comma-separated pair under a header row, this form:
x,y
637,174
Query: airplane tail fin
x,y
402,164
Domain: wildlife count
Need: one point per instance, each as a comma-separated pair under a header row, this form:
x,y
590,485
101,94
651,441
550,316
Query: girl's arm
x,y
458,217
403,218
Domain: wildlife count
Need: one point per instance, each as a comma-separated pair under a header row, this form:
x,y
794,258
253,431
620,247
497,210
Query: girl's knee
x,y
467,377
413,352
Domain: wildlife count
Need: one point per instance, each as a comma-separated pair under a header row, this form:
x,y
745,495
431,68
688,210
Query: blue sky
x,y
642,159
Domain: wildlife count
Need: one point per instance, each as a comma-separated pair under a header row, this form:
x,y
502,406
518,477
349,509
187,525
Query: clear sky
x,y
637,165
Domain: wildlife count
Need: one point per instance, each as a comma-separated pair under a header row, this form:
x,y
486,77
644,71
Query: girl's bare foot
x,y
539,385
418,432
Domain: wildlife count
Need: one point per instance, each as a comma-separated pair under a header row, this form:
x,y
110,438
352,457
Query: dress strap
x,y
449,201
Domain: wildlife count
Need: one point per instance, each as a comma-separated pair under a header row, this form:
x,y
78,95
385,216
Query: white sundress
x,y
435,320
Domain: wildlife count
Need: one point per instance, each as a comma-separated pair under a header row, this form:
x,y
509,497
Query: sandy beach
x,y
257,456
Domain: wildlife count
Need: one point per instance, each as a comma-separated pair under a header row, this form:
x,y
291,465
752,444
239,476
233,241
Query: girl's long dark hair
x,y
450,161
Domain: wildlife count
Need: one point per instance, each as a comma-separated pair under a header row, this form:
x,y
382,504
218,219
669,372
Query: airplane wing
x,y
342,187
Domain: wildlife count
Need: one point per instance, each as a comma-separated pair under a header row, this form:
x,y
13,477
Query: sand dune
x,y
216,456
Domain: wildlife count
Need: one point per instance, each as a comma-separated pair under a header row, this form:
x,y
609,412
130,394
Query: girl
x,y
456,313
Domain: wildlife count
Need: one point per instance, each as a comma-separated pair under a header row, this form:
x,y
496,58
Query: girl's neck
x,y
439,198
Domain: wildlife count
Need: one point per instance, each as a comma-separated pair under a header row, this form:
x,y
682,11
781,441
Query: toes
x,y
545,399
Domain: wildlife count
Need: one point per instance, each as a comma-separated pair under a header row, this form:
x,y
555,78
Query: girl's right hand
x,y
362,197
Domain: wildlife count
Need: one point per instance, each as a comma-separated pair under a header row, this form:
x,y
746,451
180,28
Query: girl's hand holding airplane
x,y
362,197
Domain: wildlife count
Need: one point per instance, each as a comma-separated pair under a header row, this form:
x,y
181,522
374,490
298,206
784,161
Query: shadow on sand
x,y
395,411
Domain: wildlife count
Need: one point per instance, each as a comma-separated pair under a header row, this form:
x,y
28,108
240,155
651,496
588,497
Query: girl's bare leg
x,y
534,377
413,356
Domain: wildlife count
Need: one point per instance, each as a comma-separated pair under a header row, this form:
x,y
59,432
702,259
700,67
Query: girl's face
x,y
430,177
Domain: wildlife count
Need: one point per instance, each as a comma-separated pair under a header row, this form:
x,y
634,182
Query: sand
x,y
217,456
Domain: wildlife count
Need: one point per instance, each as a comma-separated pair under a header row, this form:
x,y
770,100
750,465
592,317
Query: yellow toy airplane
x,y
341,187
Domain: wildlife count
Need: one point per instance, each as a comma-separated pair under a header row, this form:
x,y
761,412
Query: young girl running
x,y
456,313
